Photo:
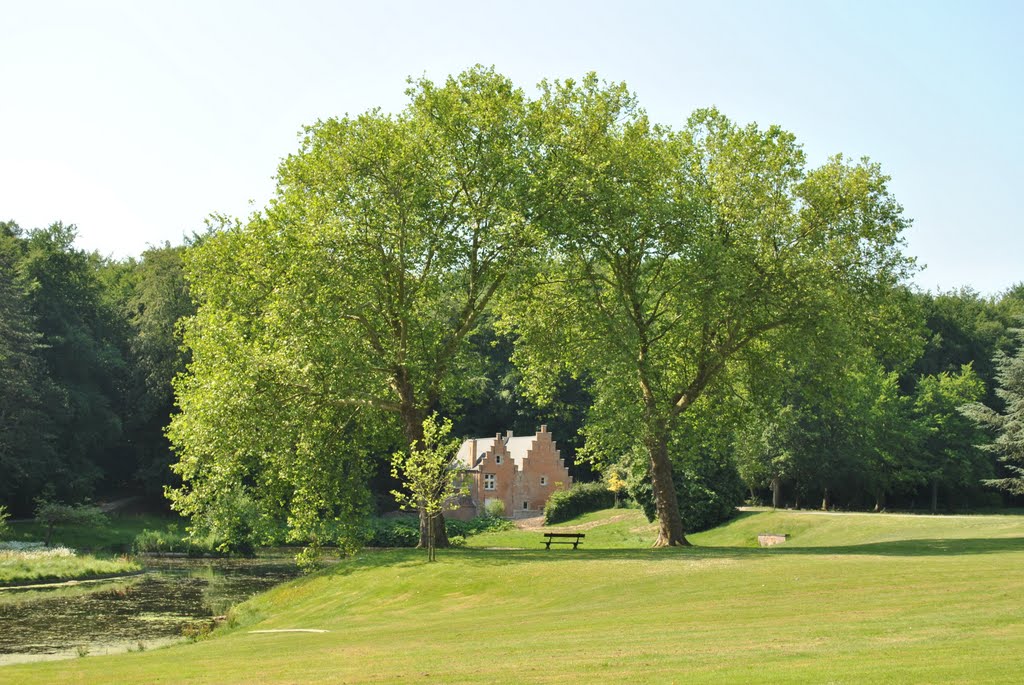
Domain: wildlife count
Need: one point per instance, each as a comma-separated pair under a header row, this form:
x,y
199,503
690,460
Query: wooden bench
x,y
575,542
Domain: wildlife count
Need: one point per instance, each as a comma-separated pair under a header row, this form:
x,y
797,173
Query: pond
x,y
137,612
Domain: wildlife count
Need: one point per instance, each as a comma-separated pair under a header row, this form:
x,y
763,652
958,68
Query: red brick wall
x,y
543,462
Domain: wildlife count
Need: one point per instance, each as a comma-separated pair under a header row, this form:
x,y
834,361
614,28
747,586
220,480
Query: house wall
x,y
542,461
498,462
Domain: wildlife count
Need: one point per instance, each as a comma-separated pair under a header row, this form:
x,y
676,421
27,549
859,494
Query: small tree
x,y
431,476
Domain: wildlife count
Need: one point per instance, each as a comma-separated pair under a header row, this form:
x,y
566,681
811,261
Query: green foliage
x,y
432,478
495,508
349,302
708,489
581,498
84,339
57,564
673,255
158,542
1008,424
155,305
55,515
392,532
949,453
175,541
404,531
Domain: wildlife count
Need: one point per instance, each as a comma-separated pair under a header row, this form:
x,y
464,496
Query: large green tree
x,y
674,253
350,301
27,394
948,448
1006,424
82,348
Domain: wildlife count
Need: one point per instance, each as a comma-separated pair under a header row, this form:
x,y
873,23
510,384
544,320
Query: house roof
x,y
465,450
517,449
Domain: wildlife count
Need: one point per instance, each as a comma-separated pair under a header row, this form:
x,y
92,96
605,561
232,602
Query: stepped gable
x,y
521,472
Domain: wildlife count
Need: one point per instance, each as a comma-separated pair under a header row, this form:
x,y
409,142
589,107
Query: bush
x,y
157,542
392,532
54,514
173,541
708,493
405,531
579,499
474,526
495,509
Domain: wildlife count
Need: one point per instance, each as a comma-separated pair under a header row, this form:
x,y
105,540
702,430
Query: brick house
x,y
522,472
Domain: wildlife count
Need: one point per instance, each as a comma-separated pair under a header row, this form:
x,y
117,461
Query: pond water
x,y
137,612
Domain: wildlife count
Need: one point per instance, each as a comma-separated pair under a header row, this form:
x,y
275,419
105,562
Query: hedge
x,y
579,499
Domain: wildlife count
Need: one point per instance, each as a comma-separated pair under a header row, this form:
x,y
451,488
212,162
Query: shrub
x,y
54,514
708,493
173,540
404,531
392,532
495,509
480,524
579,499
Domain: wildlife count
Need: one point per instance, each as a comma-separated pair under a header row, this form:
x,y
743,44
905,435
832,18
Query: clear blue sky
x,y
136,120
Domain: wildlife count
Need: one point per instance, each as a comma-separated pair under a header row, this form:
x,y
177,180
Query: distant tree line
x,y
88,347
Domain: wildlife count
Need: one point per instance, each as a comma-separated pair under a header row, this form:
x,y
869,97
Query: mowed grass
x,y
851,598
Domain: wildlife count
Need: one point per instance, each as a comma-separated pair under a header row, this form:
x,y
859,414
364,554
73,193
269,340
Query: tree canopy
x,y
674,253
351,300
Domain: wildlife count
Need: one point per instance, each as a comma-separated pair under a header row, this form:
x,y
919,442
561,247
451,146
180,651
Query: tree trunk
x,y
935,495
824,500
776,493
412,426
880,500
670,523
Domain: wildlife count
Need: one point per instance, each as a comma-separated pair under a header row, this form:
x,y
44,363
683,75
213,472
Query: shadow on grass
x,y
495,557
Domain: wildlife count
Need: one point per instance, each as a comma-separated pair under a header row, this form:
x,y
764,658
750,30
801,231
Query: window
x,y
497,458
543,480
490,482
526,505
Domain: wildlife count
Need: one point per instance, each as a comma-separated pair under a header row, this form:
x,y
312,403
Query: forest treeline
x,y
690,311
90,345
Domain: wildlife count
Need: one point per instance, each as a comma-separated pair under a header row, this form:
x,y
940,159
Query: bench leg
x,y
547,545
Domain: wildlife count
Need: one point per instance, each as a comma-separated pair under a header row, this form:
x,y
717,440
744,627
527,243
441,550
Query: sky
x,y
137,120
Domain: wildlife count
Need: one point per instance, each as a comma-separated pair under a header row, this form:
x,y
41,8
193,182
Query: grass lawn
x,y
114,537
851,598
57,564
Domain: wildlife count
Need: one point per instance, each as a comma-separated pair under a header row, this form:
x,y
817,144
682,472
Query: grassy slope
x,y
850,599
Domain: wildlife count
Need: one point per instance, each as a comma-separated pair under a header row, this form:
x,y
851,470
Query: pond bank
x,y
67,582
171,598
39,565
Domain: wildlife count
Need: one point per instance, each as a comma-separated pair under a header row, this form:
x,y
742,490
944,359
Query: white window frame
x,y
543,480
490,481
497,458
526,505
